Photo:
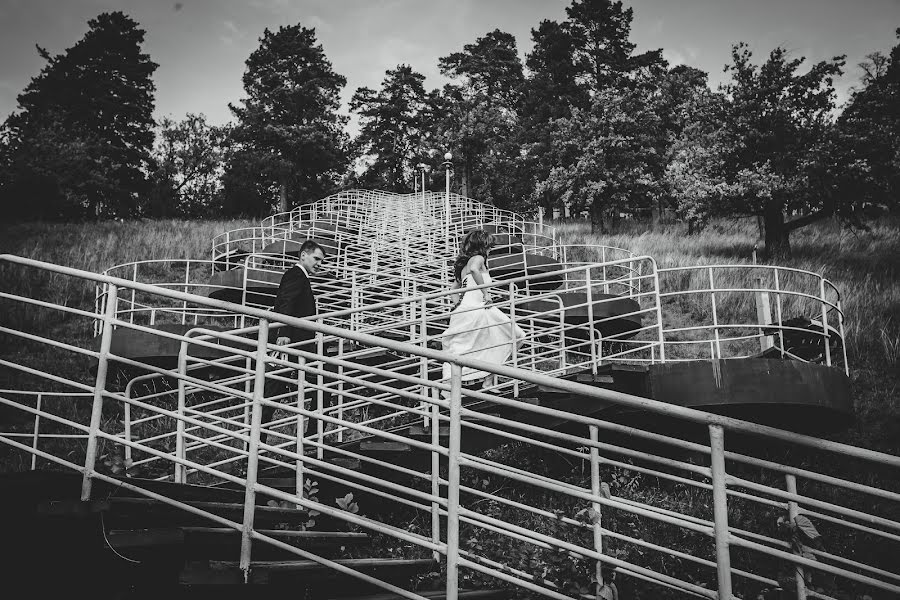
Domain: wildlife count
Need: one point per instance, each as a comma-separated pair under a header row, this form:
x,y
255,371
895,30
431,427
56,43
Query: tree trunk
x,y
775,234
598,223
282,198
655,215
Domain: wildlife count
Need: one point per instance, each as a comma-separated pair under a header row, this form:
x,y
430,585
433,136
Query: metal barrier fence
x,y
708,509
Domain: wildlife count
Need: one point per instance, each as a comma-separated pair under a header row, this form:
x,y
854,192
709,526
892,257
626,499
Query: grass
x,y
863,265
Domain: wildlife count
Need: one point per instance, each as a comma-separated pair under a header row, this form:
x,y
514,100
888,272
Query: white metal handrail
x,y
724,487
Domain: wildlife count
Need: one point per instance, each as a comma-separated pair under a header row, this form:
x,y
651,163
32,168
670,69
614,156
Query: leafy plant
x,y
310,492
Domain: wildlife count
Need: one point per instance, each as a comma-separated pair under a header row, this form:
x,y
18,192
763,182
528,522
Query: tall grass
x,y
863,265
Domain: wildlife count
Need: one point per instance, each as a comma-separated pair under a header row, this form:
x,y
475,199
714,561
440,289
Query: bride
x,y
477,329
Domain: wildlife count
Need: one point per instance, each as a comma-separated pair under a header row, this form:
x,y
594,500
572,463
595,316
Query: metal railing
x,y
706,507
740,311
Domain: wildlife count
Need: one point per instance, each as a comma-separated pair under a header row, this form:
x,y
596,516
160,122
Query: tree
x,y
391,127
550,92
84,130
289,119
776,120
490,67
602,51
481,123
189,159
608,159
865,148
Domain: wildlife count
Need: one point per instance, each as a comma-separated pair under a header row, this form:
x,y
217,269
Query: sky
x,y
201,45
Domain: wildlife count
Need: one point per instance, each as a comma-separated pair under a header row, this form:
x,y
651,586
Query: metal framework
x,y
376,367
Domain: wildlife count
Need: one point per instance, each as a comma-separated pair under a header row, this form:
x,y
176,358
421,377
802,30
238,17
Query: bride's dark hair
x,y
477,241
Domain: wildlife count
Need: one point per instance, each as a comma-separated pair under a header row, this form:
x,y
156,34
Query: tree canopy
x,y
289,123
80,143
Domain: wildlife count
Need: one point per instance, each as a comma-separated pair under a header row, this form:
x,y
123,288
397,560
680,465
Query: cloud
x,y
232,34
673,57
318,23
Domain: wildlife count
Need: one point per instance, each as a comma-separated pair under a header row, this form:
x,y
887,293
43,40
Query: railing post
x,y
253,455
37,430
659,320
320,397
90,459
515,341
435,472
793,511
720,510
180,471
592,332
712,295
301,423
778,316
453,482
826,337
596,491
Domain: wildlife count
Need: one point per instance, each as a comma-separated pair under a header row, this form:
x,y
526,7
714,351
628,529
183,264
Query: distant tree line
x,y
584,122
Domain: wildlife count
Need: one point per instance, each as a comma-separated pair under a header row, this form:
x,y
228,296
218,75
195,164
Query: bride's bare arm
x,y
477,268
455,298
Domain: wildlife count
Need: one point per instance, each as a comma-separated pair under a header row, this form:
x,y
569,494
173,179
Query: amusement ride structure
x,y
376,477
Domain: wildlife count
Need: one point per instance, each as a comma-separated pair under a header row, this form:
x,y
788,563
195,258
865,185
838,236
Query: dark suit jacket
x,y
295,298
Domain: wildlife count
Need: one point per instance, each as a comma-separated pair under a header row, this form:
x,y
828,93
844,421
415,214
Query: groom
x,y
295,298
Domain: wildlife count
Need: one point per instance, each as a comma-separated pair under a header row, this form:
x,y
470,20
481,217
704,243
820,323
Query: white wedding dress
x,y
480,333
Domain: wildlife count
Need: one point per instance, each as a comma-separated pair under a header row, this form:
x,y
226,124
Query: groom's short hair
x,y
310,246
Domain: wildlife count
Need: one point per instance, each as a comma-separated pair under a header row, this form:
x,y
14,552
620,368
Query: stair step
x,y
421,430
261,572
140,507
383,447
121,539
590,378
435,595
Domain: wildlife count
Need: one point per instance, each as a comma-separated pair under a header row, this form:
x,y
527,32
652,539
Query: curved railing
x,y
230,247
185,275
740,311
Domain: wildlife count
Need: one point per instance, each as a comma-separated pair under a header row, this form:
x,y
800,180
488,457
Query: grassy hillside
x,y
864,265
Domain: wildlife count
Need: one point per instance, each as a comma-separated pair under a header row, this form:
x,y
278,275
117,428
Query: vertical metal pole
x,y
37,429
320,397
253,456
301,424
180,471
778,312
340,392
453,483
659,320
592,332
843,343
595,490
720,510
826,337
90,458
512,335
133,292
793,511
712,295
435,472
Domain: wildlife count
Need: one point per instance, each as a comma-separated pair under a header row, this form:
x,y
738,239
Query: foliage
x,y
288,125
480,120
391,128
189,159
866,142
608,159
603,54
775,118
80,143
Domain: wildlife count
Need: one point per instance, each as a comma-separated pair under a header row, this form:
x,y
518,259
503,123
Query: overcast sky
x,y
201,45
